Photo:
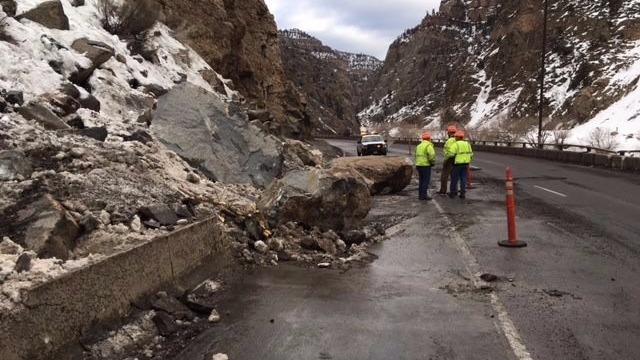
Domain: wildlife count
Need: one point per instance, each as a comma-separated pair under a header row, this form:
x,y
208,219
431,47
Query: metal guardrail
x,y
501,143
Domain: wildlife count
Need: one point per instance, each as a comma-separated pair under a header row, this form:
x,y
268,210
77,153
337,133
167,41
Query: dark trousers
x,y
424,177
459,174
447,166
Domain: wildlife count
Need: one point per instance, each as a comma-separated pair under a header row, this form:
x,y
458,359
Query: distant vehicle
x,y
371,145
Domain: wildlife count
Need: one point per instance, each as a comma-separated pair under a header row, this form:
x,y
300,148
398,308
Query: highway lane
x,y
573,293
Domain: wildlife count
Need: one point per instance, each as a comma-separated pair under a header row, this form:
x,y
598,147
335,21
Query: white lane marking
x,y
503,322
551,191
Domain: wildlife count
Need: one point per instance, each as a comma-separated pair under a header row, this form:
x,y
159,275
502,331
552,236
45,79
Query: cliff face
x,y
478,62
240,40
334,82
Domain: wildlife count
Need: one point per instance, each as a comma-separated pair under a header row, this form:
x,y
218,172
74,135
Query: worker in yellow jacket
x,y
425,159
462,155
447,164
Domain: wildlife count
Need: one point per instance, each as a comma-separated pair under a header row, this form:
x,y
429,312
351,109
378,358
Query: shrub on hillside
x,y
129,18
4,36
602,138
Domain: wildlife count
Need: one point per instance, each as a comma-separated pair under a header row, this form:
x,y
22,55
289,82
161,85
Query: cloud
x,y
359,26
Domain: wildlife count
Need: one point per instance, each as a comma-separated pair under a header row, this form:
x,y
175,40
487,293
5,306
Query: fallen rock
x,y
384,174
76,122
204,297
3,105
297,151
14,165
90,102
23,263
49,14
196,125
43,116
173,307
220,356
161,213
165,324
15,97
77,3
327,199
261,247
10,7
214,317
156,90
138,135
96,51
97,133
45,227
488,277
8,247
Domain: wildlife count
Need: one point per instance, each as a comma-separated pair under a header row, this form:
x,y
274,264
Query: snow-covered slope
x,y
100,185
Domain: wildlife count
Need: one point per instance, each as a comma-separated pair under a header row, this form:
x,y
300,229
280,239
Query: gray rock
x,y
156,90
173,307
204,297
14,165
326,198
165,324
96,51
23,263
46,228
160,213
76,122
261,247
214,317
284,256
355,237
193,178
77,3
194,123
261,115
183,211
388,174
8,247
146,117
70,90
9,7
90,102
64,105
140,136
43,116
98,133
49,14
15,97
3,105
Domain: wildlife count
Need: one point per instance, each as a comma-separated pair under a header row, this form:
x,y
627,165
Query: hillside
x,y
334,82
477,63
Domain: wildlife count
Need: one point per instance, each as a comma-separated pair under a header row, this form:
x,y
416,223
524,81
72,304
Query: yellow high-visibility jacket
x,y
425,154
462,152
448,148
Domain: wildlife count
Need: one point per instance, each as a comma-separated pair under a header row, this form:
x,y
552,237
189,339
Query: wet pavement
x,y
572,293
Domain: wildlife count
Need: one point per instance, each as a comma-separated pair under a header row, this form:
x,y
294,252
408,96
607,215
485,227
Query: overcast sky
x,y
357,26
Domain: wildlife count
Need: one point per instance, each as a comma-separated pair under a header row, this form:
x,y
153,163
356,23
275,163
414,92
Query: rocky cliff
x,y
334,82
240,40
477,62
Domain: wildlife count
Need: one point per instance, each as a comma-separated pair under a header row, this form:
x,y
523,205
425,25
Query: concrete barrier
x,y
616,162
602,160
61,311
631,164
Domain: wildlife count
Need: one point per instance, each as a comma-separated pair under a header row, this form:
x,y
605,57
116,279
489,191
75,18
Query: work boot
x,y
462,197
442,192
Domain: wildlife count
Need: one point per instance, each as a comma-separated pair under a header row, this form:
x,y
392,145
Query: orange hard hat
x,y
460,133
426,136
452,128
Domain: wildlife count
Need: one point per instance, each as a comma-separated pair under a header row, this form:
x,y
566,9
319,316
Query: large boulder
x,y
44,227
48,14
384,174
326,198
43,116
198,126
14,165
96,51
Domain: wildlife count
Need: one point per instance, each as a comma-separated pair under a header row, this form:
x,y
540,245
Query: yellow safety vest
x,y
425,154
448,148
463,152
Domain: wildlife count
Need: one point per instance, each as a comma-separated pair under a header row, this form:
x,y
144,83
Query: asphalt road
x,y
572,293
